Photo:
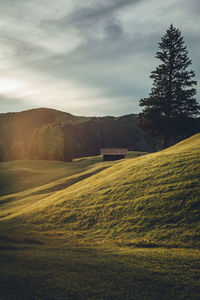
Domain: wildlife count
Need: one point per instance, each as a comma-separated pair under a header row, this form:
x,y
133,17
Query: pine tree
x,y
171,108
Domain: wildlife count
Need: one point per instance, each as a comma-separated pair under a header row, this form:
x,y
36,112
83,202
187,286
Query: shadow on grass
x,y
39,272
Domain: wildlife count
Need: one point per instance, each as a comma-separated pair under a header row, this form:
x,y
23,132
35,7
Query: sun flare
x,y
8,85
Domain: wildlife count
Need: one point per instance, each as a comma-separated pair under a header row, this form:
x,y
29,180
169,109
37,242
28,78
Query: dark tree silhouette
x,y
170,110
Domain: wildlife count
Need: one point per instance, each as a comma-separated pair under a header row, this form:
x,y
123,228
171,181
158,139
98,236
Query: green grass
x,y
63,272
17,176
150,200
103,230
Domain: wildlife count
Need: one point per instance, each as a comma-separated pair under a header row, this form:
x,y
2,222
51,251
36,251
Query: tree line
x,y
46,143
65,141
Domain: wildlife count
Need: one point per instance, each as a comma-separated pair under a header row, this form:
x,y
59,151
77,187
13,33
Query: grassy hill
x,y
103,230
22,175
152,199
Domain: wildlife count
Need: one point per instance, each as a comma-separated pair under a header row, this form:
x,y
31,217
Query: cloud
x,y
91,56
87,14
8,104
113,30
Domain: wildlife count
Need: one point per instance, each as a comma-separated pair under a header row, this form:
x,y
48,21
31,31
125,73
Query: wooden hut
x,y
113,153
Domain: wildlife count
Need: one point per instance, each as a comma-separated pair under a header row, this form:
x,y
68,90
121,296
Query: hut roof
x,y
113,151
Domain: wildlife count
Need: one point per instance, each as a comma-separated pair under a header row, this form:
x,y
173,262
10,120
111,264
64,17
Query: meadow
x,y
90,229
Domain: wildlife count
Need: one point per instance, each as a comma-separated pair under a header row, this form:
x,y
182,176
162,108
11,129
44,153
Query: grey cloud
x,y
93,13
194,6
92,21
21,48
113,57
87,17
113,30
12,104
112,65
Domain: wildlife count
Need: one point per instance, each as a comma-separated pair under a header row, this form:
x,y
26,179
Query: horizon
x,y
60,110
91,59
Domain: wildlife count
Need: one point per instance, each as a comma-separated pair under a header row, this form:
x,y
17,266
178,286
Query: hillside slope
x,y
148,200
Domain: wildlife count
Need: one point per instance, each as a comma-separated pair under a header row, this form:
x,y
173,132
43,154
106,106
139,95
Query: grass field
x,y
102,230
58,272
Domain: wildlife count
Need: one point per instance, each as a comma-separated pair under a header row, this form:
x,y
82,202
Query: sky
x,y
89,57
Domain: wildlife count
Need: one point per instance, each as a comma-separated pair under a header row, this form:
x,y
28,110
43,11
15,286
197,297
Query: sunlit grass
x,y
103,230
152,198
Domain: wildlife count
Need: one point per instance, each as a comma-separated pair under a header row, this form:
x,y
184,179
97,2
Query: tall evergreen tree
x,y
171,108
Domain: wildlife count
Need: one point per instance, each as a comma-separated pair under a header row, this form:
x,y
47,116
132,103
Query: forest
x,y
47,134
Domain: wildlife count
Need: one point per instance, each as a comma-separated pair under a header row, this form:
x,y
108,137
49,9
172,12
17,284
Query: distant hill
x,y
82,136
